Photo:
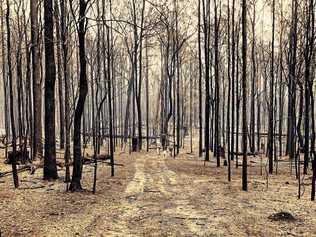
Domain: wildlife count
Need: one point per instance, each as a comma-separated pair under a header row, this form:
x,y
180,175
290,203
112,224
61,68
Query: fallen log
x,y
30,168
248,153
90,159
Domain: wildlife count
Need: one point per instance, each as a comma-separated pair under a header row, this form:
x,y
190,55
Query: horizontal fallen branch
x,y
30,168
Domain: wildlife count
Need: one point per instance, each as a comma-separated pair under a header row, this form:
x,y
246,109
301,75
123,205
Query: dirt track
x,y
156,203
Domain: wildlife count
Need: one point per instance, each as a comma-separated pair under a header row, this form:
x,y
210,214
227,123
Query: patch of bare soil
x,y
154,195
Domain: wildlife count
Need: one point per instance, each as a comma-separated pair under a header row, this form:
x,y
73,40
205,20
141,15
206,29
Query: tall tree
x,y
206,24
200,80
217,79
244,95
4,79
292,82
253,79
233,59
50,167
109,83
271,104
64,43
229,89
12,117
308,57
178,110
37,85
83,91
140,74
147,95
60,76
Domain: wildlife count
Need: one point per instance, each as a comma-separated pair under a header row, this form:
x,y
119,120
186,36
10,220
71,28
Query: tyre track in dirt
x,y
156,203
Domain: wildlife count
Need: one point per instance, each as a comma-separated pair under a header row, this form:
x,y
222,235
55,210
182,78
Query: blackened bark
x,y
292,83
83,91
60,79
271,104
12,117
64,35
28,91
147,97
206,12
110,103
244,95
252,110
229,92
231,157
50,168
37,85
308,55
140,75
178,110
200,81
238,86
216,115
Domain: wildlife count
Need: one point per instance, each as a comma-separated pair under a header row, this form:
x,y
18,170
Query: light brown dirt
x,y
153,195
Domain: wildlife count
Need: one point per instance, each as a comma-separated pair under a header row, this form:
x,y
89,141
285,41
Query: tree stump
x,y
135,144
164,141
221,152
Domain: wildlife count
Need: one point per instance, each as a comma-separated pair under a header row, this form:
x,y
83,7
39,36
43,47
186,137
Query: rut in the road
x,y
155,199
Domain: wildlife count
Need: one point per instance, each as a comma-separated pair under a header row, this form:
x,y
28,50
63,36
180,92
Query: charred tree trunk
x,y
12,117
200,81
308,56
229,92
83,90
28,92
252,110
147,97
271,104
244,95
60,79
281,86
216,115
37,85
64,36
110,101
232,149
292,83
206,19
50,168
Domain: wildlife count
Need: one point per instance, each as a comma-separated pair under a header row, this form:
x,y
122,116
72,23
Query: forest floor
x,y
157,195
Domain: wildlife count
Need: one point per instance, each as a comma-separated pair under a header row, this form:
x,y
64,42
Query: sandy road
x,y
156,203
